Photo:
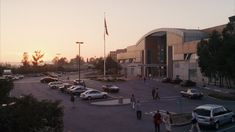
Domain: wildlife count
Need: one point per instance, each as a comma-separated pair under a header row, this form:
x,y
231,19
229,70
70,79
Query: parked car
x,y
192,93
93,94
188,83
55,84
213,115
68,90
176,81
110,88
166,80
79,82
78,90
48,79
64,87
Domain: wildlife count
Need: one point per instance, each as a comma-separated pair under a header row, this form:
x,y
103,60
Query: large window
x,y
149,57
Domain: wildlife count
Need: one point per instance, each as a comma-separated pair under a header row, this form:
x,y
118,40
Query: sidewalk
x,y
219,89
113,102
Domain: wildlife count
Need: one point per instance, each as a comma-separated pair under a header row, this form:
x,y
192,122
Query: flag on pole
x,y
105,27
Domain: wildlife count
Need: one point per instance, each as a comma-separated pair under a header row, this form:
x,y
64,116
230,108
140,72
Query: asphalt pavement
x,y
87,117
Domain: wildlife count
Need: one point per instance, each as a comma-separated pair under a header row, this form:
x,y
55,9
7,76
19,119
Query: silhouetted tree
x,y
112,66
37,58
76,60
25,60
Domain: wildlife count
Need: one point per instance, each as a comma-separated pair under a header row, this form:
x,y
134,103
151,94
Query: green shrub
x,y
6,85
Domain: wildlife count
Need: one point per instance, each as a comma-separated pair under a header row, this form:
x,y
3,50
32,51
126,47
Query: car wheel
x,y
233,119
89,98
104,96
217,125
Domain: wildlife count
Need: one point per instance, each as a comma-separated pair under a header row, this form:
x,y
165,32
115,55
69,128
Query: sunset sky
x,y
53,26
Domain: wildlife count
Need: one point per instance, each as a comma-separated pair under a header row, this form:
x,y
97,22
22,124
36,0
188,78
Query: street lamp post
x,y
79,43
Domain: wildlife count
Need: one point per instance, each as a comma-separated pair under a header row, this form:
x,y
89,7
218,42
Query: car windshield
x,y
194,91
202,112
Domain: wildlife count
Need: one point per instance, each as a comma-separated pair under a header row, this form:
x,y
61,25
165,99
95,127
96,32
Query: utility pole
x,y
79,43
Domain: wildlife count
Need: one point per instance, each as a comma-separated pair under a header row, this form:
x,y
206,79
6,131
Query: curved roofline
x,y
177,31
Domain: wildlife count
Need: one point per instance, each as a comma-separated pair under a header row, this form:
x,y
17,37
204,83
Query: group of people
x,y
155,93
157,118
166,119
135,104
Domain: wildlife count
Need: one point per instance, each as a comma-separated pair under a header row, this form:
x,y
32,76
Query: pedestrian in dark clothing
x,y
153,93
157,94
144,79
138,110
194,123
133,101
72,99
157,121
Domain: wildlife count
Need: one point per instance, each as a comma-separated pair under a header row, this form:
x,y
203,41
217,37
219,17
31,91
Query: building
x,y
113,54
166,52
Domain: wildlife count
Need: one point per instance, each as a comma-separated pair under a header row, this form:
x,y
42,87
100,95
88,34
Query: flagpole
x,y
104,58
104,50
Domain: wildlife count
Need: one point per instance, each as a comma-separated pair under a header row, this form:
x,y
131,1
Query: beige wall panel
x,y
173,39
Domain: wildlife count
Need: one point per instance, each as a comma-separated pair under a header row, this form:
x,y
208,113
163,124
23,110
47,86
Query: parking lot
x,y
86,117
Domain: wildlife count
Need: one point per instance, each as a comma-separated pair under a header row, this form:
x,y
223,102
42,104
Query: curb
x,y
220,99
181,124
110,103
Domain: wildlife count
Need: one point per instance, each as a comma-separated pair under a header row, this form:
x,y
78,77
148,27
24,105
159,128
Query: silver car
x,y
93,94
55,84
213,115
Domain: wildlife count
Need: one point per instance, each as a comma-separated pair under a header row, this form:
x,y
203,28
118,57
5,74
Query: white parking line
x,y
226,129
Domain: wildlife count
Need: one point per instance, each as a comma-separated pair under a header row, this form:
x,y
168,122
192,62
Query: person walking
x,y
150,76
153,93
167,121
138,110
133,101
144,79
157,94
194,123
157,121
72,99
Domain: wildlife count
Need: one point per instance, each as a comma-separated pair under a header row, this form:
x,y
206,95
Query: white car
x,y
55,84
64,87
74,88
93,94
213,115
110,88
78,90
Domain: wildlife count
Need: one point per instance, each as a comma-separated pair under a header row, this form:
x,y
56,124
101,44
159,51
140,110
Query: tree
x,y
55,60
60,62
37,58
27,114
216,55
112,66
6,85
228,50
76,60
25,60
